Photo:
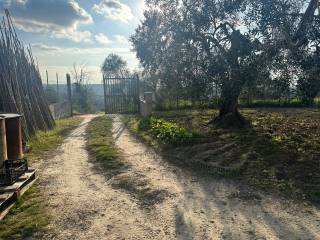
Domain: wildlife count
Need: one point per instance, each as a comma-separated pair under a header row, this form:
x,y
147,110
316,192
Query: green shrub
x,y
167,132
144,124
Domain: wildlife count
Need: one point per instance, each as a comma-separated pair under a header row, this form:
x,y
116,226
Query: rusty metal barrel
x,y
12,164
11,137
3,142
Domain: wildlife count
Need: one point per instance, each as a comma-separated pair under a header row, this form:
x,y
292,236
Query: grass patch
x,y
101,146
184,104
28,217
44,141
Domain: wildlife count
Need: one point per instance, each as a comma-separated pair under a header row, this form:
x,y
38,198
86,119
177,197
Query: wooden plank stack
x,y
20,82
10,194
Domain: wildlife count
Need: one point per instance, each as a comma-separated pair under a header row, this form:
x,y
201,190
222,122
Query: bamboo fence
x,y
21,89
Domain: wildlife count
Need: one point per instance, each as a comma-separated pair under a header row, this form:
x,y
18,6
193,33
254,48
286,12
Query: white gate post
x,y
146,104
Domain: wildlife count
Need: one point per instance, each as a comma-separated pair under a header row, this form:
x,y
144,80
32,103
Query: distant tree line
x,y
233,48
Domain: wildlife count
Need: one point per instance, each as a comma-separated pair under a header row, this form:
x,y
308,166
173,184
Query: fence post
x,y
138,97
47,78
105,95
57,76
69,93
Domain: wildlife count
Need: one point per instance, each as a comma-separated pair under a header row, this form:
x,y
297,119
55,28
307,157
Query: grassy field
x,y
28,217
181,104
279,151
101,147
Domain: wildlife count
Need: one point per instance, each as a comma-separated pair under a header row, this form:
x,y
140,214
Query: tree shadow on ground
x,y
245,212
250,154
139,187
213,206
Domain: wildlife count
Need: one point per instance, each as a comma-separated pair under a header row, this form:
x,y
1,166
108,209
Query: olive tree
x,y
233,41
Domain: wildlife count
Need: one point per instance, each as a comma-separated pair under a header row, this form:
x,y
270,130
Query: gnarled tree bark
x,y
229,115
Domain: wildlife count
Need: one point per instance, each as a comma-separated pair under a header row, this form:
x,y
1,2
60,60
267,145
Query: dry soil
x,y
155,200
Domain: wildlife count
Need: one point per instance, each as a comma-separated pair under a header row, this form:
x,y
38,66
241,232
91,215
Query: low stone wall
x,y
61,110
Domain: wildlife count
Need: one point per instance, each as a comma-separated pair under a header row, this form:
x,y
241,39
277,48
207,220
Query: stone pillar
x,y
146,105
148,99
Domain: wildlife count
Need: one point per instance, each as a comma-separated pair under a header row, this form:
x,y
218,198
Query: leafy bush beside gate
x,y
166,132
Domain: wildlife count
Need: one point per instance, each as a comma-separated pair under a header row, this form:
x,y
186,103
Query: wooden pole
x,y
69,92
21,85
57,85
47,78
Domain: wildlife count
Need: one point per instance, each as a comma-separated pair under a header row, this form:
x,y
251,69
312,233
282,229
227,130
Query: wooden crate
x,y
10,194
11,151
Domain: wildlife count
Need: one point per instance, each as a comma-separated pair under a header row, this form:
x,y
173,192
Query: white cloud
x,y
102,39
61,60
120,39
60,18
41,48
74,35
44,47
81,54
114,10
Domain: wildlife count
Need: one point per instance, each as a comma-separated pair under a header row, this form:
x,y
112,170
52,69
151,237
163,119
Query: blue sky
x,y
82,32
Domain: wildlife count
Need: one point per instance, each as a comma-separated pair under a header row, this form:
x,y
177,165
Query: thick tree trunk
x,y
229,116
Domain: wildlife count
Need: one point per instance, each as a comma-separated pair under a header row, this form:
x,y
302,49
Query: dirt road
x,y
154,200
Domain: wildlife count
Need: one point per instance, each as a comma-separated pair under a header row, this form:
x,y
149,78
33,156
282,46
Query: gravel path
x,y
155,200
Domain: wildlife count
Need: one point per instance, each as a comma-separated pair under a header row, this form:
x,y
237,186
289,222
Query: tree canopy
x,y
114,66
194,44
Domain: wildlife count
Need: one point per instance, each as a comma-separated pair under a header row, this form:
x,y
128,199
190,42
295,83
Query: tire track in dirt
x,y
155,200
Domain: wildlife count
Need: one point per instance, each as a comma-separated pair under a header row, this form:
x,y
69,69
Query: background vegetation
x,y
226,52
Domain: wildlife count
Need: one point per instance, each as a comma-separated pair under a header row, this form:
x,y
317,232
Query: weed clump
x,y
166,132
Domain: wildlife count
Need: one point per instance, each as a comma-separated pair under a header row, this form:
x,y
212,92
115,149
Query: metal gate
x,y
121,95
